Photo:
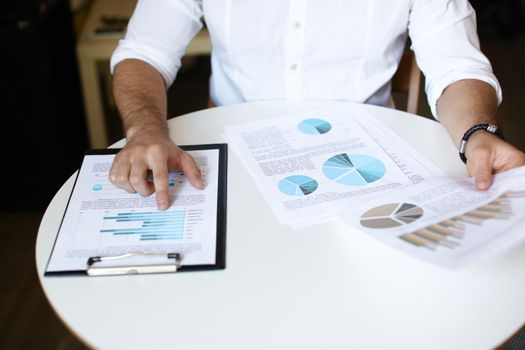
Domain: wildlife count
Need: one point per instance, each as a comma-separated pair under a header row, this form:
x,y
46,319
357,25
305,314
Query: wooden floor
x,y
27,321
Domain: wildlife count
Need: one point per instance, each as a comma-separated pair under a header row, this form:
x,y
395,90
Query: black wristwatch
x,y
493,129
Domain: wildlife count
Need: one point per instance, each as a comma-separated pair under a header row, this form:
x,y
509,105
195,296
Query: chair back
x,y
407,79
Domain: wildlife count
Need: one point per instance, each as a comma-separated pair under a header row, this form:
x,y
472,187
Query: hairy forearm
x,y
466,103
140,95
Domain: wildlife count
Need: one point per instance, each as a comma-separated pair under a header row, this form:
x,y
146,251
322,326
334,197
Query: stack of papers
x,y
311,165
317,166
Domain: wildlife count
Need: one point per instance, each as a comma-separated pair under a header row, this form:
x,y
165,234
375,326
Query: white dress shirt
x,y
310,49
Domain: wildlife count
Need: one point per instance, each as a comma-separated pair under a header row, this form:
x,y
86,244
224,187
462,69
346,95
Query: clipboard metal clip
x,y
133,263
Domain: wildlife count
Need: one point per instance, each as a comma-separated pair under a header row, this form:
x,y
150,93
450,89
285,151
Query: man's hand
x,y
469,102
487,154
140,94
153,151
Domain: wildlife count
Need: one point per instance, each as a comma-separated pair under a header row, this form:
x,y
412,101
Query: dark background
x,y
43,136
43,128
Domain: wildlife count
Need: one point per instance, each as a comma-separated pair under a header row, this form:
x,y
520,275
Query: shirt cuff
x,y
166,66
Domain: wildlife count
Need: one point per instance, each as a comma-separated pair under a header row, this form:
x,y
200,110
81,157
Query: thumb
x,y
481,168
181,160
192,171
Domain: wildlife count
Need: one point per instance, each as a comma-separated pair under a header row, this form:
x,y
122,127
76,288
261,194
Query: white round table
x,y
323,287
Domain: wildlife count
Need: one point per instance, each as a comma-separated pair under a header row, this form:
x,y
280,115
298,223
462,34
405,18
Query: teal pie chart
x,y
314,126
353,169
298,185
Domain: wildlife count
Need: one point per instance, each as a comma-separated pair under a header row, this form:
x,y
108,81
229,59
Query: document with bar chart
x,y
104,221
309,165
448,221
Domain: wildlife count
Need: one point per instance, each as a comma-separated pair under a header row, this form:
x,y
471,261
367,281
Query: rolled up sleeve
x,y
445,40
158,33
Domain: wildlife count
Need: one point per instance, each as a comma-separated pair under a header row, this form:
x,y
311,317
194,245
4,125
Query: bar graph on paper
x,y
450,233
146,225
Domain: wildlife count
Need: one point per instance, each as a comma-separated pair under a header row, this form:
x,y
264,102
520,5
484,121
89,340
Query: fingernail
x,y
482,184
163,204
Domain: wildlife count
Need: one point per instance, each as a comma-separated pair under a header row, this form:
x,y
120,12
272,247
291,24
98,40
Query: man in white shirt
x,y
302,49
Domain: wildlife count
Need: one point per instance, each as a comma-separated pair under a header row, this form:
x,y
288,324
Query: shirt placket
x,y
295,48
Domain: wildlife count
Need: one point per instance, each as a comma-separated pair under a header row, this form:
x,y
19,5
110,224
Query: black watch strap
x,y
493,129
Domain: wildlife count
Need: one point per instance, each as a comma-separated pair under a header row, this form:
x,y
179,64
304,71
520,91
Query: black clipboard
x,y
173,258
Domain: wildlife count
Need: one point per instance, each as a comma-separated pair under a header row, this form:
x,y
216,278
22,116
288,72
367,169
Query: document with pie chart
x,y
310,165
447,221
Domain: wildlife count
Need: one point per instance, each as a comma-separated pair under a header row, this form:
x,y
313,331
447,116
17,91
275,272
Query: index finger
x,y
160,182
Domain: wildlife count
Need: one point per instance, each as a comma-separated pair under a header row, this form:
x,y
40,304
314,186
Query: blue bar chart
x,y
148,226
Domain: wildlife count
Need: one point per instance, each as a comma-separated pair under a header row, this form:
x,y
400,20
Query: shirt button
x,y
294,67
297,25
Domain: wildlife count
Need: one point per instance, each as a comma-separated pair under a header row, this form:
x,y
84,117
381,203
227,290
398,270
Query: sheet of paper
x,y
102,220
309,165
447,221
400,151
